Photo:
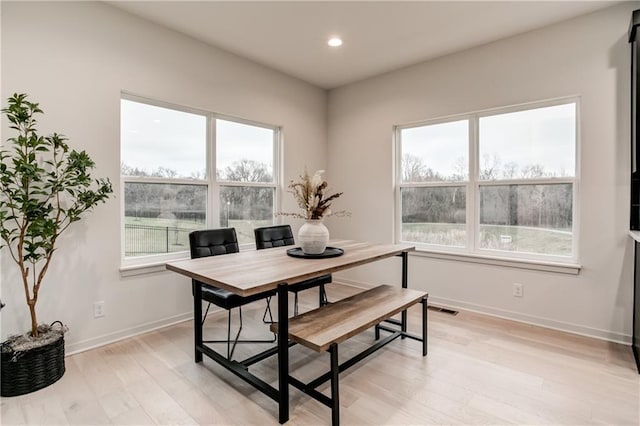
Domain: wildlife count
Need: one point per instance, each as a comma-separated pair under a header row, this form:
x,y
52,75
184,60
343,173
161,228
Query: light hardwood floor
x,y
480,370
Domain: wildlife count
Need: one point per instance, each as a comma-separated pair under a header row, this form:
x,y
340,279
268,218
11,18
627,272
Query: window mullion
x,y
213,216
435,184
172,181
473,209
248,183
277,173
533,181
397,143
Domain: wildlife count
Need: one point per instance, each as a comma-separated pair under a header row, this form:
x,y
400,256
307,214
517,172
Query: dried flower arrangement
x,y
311,195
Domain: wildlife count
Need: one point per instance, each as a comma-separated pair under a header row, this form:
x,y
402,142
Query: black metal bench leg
x,y
335,398
403,326
424,326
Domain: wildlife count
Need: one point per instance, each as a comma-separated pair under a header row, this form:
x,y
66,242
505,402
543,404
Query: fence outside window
x,y
143,240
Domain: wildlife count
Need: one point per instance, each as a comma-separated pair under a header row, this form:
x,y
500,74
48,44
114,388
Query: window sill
x,y
155,265
557,267
146,268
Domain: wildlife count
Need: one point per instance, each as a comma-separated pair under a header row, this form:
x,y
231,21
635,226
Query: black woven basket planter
x,y
27,371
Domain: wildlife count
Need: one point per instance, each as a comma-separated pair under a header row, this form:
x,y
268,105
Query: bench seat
x,y
324,328
337,322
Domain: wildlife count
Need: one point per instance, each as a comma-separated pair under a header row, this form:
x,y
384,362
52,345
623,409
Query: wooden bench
x,y
324,328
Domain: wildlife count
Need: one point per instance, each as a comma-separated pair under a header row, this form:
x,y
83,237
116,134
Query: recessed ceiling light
x,y
334,42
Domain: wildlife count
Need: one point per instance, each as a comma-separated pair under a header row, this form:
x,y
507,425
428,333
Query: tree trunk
x,y
34,321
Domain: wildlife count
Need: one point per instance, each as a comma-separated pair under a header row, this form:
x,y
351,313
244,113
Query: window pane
x,y
244,153
528,144
245,208
436,152
159,217
527,218
434,215
162,142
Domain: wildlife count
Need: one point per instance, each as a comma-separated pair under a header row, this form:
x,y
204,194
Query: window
x,y
184,169
245,176
494,182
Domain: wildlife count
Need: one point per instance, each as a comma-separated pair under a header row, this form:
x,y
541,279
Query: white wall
x,y
75,59
587,56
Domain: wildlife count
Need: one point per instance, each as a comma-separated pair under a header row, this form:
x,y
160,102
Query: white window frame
x,y
151,262
472,250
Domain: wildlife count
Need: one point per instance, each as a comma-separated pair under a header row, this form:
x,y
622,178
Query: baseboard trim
x,y
105,339
353,283
595,333
95,342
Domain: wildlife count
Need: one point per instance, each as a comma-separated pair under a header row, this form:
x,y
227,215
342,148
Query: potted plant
x,y
44,187
311,194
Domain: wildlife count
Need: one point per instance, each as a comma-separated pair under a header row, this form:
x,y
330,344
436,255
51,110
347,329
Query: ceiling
x,y
378,36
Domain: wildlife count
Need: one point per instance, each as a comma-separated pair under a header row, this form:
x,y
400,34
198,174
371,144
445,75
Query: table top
x,y
255,271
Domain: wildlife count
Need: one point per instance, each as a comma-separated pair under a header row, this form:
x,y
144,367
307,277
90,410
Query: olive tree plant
x,y
44,187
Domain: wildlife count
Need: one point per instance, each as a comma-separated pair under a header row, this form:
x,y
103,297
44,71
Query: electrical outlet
x,y
518,290
98,309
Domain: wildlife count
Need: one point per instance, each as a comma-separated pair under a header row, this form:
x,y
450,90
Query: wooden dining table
x,y
255,271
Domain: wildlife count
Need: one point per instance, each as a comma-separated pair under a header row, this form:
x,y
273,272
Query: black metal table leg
x,y
283,353
197,321
335,392
405,279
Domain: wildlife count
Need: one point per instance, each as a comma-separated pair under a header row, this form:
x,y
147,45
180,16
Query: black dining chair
x,y
214,242
281,235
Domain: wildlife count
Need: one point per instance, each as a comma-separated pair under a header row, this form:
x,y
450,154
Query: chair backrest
x,y
212,242
273,236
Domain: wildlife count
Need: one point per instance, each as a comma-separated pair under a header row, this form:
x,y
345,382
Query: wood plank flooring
x,y
480,370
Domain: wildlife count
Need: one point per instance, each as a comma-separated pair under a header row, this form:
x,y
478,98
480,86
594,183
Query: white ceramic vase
x,y
313,236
